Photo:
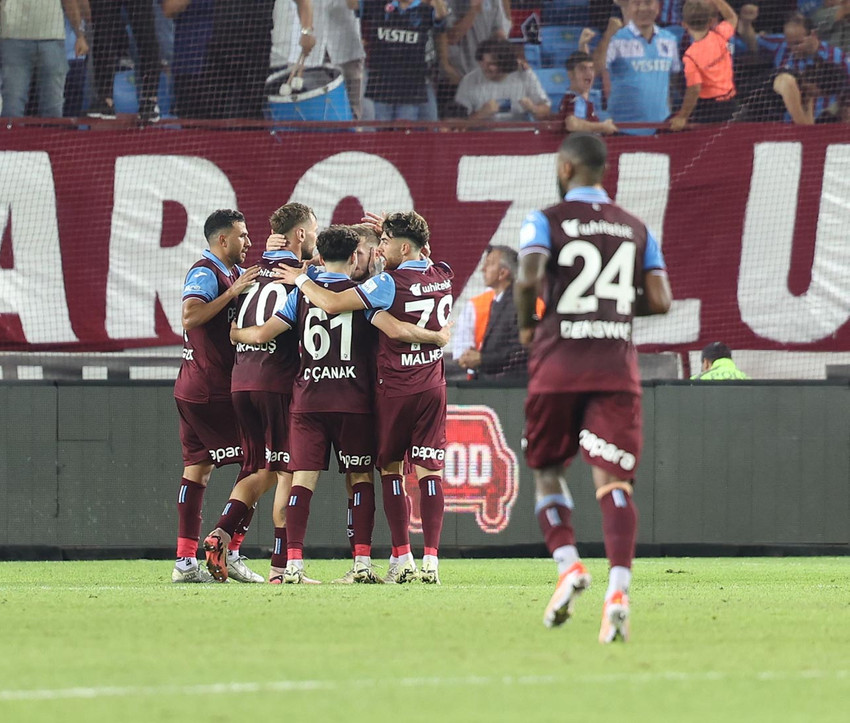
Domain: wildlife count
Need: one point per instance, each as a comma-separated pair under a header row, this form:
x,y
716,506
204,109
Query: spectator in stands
x,y
470,23
75,81
192,31
499,89
833,24
576,111
717,364
337,40
795,93
671,12
32,38
237,58
710,95
642,61
398,73
798,48
495,352
109,40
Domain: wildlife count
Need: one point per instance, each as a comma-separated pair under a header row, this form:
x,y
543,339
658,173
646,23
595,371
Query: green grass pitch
x,y
762,639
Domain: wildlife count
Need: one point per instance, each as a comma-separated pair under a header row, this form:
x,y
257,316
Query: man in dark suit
x,y
500,356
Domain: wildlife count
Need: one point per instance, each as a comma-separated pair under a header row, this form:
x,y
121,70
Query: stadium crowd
x,y
665,63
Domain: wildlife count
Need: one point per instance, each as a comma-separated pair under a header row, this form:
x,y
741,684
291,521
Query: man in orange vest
x,y
486,338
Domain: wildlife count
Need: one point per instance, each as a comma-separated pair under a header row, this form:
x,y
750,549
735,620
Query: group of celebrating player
x,y
287,358
316,363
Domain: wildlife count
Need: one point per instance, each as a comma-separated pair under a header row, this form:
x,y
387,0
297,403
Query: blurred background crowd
x,y
593,65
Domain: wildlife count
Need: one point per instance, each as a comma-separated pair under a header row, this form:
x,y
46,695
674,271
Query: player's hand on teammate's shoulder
x,y
288,274
246,278
277,242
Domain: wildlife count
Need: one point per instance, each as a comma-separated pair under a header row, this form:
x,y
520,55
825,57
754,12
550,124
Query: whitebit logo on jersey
x,y
418,289
574,229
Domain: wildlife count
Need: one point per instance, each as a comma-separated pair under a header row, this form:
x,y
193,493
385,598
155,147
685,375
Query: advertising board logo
x,y
481,474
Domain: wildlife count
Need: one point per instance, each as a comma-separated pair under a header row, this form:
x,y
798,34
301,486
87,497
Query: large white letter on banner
x,y
375,182
643,187
766,304
34,289
140,270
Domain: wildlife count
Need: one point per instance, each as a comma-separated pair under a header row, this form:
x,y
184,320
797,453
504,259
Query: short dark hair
x,y
221,220
576,59
697,14
587,151
289,216
503,50
798,18
337,242
409,225
716,350
508,258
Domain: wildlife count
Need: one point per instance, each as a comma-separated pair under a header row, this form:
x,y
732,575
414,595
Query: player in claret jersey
x,y
596,266
208,432
332,397
410,398
263,375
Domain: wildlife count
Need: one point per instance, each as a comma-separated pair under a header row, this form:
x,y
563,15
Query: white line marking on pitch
x,y
276,686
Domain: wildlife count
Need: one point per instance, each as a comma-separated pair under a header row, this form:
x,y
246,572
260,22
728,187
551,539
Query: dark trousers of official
x,y
109,41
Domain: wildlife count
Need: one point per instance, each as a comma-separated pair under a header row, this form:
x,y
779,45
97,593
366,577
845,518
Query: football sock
x,y
431,506
566,557
349,529
619,527
279,549
297,513
430,561
190,500
395,509
554,513
186,563
619,580
363,517
233,512
241,529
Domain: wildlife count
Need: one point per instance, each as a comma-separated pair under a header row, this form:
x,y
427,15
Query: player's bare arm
x,y
410,333
197,312
258,334
330,301
532,268
657,296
